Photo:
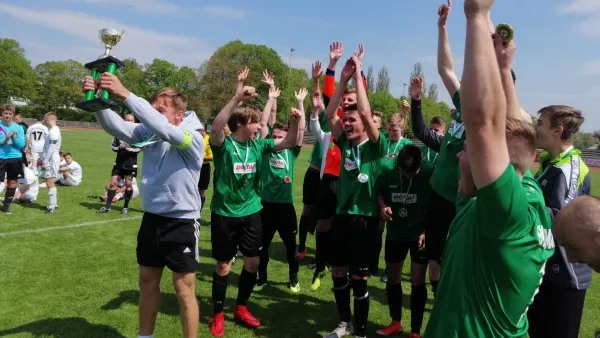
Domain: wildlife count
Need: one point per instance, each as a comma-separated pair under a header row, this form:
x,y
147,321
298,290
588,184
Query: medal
x,y
287,179
505,31
244,178
363,178
403,212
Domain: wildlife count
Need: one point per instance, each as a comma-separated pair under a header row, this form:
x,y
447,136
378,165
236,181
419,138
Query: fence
x,y
70,124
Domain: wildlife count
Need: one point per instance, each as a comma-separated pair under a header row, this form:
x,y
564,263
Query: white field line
x,y
80,225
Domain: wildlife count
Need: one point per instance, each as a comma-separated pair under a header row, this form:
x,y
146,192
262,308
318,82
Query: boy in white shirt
x,y
36,138
50,160
29,186
71,174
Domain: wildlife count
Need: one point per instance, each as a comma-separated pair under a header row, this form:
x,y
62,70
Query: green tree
x,y
185,80
17,77
133,77
383,80
158,72
418,72
60,83
431,109
583,141
370,78
432,93
385,103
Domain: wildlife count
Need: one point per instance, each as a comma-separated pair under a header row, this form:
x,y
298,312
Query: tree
x,y
431,109
158,72
584,141
370,78
133,77
432,92
184,80
383,80
60,83
384,102
418,72
17,77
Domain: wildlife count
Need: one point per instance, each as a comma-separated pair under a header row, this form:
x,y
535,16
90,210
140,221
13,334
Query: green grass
x,y
82,281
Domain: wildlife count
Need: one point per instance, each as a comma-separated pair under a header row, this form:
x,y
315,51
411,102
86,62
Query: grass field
x,y
74,273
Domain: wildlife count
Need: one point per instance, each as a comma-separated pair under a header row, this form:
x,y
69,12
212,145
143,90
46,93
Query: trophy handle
x,y
111,69
89,95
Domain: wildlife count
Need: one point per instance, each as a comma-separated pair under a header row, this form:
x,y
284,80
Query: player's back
x,y
54,137
38,134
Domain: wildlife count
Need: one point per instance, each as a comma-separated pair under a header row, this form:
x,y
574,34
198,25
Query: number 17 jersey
x,y
37,133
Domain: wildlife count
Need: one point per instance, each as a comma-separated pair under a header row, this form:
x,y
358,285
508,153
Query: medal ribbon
x,y
395,148
237,152
356,155
407,190
285,160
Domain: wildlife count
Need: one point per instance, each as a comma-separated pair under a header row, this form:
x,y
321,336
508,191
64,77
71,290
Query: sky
x,y
558,41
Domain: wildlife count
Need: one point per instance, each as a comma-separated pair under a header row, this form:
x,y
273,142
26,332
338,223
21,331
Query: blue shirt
x,y
12,147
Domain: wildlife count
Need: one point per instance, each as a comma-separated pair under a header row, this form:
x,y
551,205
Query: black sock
x,y
418,297
303,231
341,291
128,194
202,200
219,288
394,298
109,197
10,194
361,307
322,239
434,285
246,283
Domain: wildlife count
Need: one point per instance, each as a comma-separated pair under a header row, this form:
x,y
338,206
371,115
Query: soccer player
x,y
355,228
402,192
49,162
563,176
12,142
168,235
205,171
36,137
498,244
29,186
235,218
438,126
125,167
277,198
72,174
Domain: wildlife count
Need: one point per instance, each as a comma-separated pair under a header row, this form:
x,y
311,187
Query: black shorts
x,y
310,186
395,252
170,242
12,168
280,217
229,233
352,242
440,213
326,199
204,176
120,171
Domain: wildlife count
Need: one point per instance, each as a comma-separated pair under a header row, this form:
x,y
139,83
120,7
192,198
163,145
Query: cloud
x,y
591,8
227,12
143,45
591,68
146,6
581,6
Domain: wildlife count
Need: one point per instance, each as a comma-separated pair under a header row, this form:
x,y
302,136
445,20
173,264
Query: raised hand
x,y
274,92
416,88
505,51
113,85
405,108
385,214
301,94
336,49
243,74
475,7
268,79
361,52
358,68
316,70
317,102
348,70
444,12
295,115
246,93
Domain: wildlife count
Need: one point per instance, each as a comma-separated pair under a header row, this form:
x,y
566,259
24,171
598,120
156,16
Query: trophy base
x,y
95,105
102,64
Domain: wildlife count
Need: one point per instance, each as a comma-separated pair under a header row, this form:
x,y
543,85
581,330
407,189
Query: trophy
x,y
98,100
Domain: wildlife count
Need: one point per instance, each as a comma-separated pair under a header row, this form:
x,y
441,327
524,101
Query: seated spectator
x,y
71,172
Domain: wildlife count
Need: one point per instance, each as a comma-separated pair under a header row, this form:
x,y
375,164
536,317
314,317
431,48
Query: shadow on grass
x,y
114,207
30,205
72,327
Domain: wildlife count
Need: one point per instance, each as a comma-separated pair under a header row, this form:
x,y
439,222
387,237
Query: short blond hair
x,y
521,142
7,107
244,114
178,100
51,115
396,119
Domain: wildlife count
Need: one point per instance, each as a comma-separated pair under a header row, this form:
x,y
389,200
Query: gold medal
x,y
403,212
505,31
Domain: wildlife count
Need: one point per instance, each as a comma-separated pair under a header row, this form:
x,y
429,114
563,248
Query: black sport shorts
x,y
12,168
312,179
440,213
170,242
352,242
326,199
395,252
280,217
120,171
229,233
204,176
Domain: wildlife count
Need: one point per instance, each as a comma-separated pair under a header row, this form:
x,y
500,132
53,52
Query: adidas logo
x,y
187,250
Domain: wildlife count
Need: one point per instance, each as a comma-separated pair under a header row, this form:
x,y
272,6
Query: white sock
x,y
52,197
2,187
150,336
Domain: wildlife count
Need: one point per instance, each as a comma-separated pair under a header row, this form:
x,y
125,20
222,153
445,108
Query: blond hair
x,y
396,119
521,142
178,100
242,115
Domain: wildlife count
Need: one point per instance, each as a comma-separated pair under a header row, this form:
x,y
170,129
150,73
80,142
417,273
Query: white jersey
x,y
37,133
76,171
53,138
30,179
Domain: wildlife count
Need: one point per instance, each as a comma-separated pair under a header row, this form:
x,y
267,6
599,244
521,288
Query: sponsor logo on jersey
x,y
456,129
404,198
238,168
387,157
277,163
545,238
349,164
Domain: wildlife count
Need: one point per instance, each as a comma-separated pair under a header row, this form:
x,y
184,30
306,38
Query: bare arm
x,y
300,96
445,62
291,139
482,99
273,115
266,115
334,122
505,52
364,109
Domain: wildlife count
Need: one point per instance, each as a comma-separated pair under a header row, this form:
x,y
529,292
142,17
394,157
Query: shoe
x,y
217,325
394,328
50,210
6,211
124,211
383,278
316,281
242,313
342,330
233,260
259,286
294,284
302,254
103,210
414,335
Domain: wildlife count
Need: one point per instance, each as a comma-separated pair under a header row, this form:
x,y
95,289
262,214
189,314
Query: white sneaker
x,y
342,330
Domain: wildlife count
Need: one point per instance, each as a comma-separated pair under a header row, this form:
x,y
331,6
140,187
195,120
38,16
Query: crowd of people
x,y
508,252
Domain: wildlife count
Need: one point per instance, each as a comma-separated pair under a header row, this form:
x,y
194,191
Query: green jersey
x,y
236,176
394,147
494,262
445,176
277,176
407,197
428,154
361,165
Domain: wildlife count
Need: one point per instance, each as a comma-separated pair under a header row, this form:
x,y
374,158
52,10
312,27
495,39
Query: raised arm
x,y
429,137
300,96
336,49
267,112
217,136
483,100
333,120
291,139
505,52
364,108
445,63
315,125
